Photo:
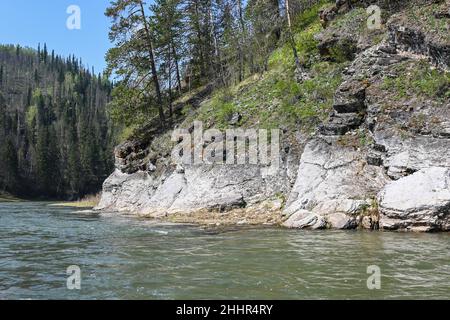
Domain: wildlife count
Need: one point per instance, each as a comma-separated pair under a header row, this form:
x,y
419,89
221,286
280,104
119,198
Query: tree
x,y
45,53
290,34
168,25
53,58
1,76
43,157
243,34
133,58
264,16
197,40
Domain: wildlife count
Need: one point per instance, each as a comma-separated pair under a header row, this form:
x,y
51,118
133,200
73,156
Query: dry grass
x,y
6,197
244,217
89,201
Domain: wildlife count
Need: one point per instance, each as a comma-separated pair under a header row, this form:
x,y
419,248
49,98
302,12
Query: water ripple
x,y
129,258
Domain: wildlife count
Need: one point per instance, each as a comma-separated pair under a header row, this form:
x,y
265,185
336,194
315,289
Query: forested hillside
x,y
55,137
165,48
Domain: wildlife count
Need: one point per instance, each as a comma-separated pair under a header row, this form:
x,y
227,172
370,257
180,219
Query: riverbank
x,y
237,217
86,202
271,215
6,197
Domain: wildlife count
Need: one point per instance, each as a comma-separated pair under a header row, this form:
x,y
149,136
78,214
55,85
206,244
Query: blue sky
x,y
29,22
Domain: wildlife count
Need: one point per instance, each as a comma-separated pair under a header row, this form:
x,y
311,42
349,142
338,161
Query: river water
x,y
130,258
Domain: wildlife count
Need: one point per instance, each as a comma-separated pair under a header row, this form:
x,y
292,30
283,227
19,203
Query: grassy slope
x,y
274,99
423,17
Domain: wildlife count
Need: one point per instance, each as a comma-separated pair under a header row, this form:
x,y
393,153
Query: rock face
x,y
420,201
381,159
334,183
173,189
399,179
201,187
416,35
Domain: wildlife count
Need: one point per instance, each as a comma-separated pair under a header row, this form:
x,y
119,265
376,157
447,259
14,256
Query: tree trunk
x,y
216,46
200,41
169,72
153,66
177,67
243,37
276,7
291,36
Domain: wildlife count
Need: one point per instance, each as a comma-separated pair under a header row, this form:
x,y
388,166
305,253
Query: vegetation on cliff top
x,y
250,65
231,46
262,92
419,79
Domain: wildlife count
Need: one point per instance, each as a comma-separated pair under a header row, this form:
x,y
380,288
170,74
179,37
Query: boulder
x,y
235,118
420,201
305,219
327,14
341,221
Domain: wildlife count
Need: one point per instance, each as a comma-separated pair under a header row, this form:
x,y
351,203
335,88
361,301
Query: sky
x,y
30,22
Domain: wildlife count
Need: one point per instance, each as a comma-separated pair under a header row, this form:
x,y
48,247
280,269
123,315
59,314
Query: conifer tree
x,y
132,33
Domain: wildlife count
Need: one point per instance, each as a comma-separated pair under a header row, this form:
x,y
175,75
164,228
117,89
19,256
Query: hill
x,y
363,120
55,135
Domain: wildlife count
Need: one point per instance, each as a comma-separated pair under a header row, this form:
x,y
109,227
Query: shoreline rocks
x,y
420,201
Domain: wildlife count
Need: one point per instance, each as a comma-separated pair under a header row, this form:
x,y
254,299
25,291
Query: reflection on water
x,y
130,258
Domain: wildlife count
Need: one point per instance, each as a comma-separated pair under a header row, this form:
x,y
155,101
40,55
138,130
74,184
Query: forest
x,y
165,48
55,137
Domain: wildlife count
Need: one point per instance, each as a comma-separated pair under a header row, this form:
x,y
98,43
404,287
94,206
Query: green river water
x,y
123,257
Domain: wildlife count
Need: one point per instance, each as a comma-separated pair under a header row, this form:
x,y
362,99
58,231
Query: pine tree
x,y
168,25
129,17
53,58
39,53
36,76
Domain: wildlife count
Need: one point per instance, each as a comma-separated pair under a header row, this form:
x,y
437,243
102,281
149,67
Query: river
x,y
123,257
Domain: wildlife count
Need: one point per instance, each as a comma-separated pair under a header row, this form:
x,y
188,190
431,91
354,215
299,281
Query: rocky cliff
x,y
380,161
